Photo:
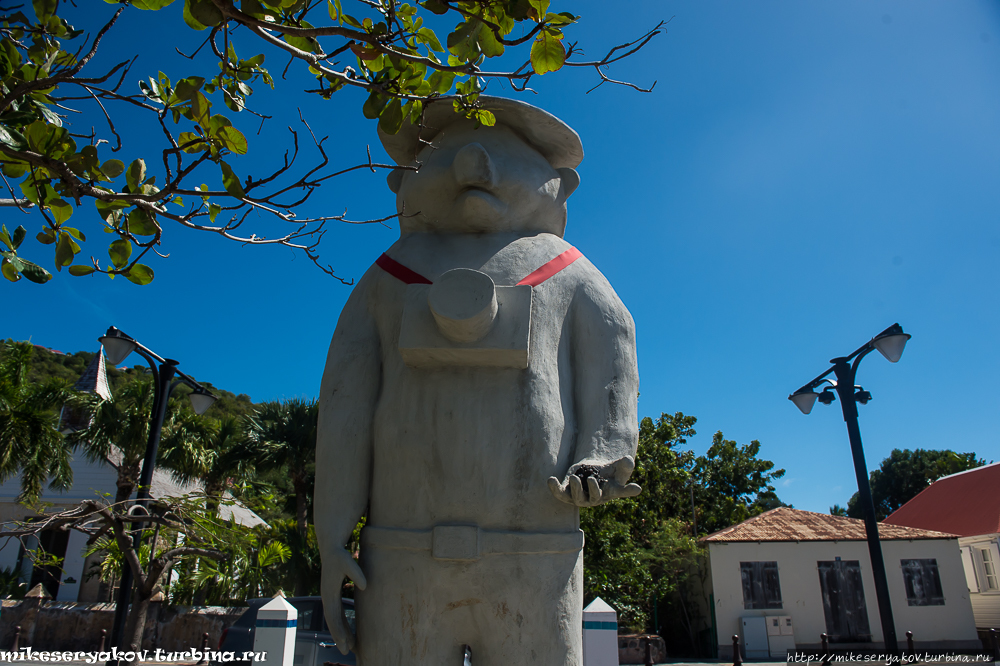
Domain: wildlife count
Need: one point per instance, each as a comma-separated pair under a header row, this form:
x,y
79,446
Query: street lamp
x,y
890,344
117,346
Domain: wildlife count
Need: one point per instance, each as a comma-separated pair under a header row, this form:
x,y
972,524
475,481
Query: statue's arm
x,y
605,394
347,398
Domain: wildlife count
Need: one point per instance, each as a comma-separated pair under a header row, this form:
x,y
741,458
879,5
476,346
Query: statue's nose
x,y
474,168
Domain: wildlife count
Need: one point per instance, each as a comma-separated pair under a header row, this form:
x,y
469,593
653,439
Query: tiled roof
x,y
965,504
787,524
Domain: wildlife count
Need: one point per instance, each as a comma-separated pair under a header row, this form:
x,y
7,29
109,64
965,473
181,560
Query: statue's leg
x,y
511,609
532,611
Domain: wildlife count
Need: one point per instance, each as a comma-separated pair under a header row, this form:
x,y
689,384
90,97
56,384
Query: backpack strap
x,y
551,267
535,278
399,271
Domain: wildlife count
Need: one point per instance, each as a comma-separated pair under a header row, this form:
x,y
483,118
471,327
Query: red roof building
x,y
966,504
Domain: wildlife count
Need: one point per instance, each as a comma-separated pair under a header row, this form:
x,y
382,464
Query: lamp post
x,y
890,344
117,346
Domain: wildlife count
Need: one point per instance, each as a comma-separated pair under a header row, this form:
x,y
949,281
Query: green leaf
x,y
113,168
5,237
12,138
233,139
392,117
435,6
75,233
80,269
136,174
119,251
66,249
416,109
540,6
45,236
485,117
563,18
140,274
191,142
140,223
106,209
372,108
441,81
188,87
200,108
488,42
203,12
231,182
213,211
35,273
44,9
61,210
547,53
19,234
8,270
151,5
430,39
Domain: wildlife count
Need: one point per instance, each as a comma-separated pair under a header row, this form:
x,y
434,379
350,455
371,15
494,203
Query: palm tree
x,y
214,452
119,433
285,433
30,442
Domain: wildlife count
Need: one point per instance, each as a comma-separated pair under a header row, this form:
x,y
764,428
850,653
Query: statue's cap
x,y
554,139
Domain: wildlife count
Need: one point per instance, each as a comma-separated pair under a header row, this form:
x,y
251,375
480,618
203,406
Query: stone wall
x,y
632,648
60,625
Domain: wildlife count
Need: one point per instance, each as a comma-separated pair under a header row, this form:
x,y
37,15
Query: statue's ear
x,y
570,180
395,179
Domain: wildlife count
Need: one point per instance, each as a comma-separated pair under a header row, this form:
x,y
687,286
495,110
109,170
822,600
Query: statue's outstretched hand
x,y
341,566
590,485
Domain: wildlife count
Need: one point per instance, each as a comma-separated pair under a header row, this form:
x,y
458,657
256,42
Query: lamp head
x,y
804,400
201,400
891,342
117,345
827,396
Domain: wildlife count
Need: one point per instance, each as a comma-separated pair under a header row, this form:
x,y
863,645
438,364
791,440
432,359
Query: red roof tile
x,y
787,524
966,504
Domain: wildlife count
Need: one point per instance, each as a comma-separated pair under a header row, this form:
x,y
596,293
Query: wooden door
x,y
844,601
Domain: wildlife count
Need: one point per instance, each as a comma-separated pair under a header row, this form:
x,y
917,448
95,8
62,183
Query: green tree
x,y
618,534
285,434
733,484
905,473
119,433
214,452
172,529
386,50
641,551
30,442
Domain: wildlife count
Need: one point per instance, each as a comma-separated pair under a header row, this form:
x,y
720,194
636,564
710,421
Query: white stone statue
x,y
480,387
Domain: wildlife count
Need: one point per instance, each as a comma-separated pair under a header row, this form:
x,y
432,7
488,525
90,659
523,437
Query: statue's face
x,y
484,179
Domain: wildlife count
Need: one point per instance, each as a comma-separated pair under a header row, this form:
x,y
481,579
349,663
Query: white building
x,y
783,578
966,504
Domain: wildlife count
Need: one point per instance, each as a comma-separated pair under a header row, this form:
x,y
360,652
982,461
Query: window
x,y
760,585
989,569
922,582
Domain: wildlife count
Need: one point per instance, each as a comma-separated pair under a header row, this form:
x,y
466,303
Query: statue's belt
x,y
468,542
535,278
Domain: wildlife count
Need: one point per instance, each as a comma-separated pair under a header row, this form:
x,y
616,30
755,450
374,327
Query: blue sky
x,y
803,175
